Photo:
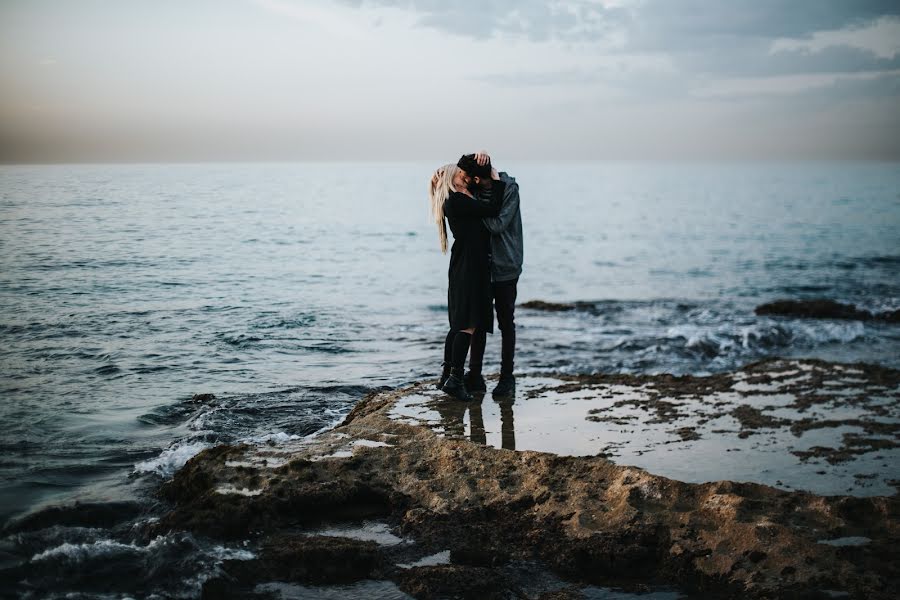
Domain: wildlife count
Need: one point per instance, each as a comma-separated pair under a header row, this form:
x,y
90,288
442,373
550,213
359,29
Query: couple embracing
x,y
481,207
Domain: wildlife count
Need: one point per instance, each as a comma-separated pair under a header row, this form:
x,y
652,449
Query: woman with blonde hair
x,y
469,300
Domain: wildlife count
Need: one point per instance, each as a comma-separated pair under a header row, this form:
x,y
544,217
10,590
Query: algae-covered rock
x,y
585,518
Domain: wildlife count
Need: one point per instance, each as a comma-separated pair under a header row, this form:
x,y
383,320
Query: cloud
x,y
790,84
313,14
880,37
365,78
651,24
697,22
535,20
699,38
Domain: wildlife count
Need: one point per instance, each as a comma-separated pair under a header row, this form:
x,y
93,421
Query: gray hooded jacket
x,y
506,234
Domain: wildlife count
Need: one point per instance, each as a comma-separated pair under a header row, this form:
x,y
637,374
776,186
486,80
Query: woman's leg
x,y
461,343
448,358
455,385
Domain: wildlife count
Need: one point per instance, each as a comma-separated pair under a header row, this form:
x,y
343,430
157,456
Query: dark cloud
x,y
706,39
650,24
696,23
734,39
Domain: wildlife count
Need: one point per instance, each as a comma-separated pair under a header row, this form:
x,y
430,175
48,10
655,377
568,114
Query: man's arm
x,y
499,223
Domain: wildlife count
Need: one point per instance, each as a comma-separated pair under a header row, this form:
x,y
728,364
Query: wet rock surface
x,y
804,425
824,309
469,519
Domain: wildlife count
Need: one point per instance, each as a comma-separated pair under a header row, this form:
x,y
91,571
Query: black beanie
x,y
468,164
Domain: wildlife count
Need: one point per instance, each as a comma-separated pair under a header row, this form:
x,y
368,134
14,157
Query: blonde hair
x,y
438,192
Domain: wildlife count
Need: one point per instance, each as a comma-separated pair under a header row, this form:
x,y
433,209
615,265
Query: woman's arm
x,y
460,205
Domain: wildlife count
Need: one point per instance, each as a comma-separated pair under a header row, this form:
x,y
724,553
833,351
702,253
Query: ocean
x,y
289,291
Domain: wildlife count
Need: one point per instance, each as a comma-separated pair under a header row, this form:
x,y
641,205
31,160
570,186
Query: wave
x,y
175,565
101,548
278,416
886,260
106,547
763,336
171,459
80,515
285,322
678,336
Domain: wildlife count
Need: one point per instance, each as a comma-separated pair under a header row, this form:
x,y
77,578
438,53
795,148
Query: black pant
x,y
505,303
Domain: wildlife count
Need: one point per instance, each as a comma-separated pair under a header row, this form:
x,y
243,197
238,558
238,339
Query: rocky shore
x,y
824,309
434,499
821,308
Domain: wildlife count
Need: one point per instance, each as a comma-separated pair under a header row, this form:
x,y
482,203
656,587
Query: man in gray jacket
x,y
506,266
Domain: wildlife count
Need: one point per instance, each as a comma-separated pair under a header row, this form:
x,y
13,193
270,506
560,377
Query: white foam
x,y
171,459
824,331
279,437
101,548
223,553
258,461
441,558
370,444
338,454
230,489
79,552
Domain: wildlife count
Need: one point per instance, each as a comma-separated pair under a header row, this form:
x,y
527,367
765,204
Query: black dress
x,y
469,300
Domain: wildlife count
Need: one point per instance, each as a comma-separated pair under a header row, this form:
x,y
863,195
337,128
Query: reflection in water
x,y
476,423
453,420
507,425
621,422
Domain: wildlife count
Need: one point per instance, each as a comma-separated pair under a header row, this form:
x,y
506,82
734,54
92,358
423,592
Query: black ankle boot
x,y
445,373
505,387
456,387
475,382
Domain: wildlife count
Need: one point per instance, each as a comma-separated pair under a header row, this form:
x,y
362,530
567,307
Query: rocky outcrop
x,y
585,518
589,307
547,306
823,309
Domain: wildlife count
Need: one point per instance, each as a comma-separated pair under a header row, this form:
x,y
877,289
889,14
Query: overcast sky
x,y
161,80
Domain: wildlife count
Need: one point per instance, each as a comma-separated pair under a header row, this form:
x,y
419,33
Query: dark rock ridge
x,y
805,309
823,309
585,518
589,307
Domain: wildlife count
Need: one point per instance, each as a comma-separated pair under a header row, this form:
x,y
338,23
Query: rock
x,y
547,306
584,517
314,559
589,307
477,555
453,581
823,309
301,490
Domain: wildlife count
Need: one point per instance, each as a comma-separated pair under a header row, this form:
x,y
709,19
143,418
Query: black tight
x,y
456,348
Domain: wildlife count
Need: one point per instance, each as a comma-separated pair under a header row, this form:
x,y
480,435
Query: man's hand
x,y
482,157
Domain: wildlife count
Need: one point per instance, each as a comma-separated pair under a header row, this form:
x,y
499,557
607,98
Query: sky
x,y
388,80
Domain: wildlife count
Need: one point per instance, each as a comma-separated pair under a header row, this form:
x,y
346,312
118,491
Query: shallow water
x,y
291,290
694,438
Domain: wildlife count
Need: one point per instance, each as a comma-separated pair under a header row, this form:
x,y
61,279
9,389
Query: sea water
x,y
289,291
